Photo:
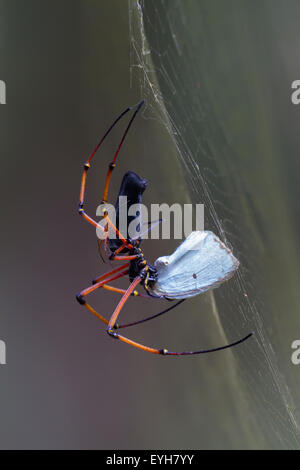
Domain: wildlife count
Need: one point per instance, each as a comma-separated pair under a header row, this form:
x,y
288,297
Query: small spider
x,y
202,262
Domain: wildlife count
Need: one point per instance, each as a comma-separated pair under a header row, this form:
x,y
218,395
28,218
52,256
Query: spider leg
x,y
99,246
124,258
86,166
119,249
103,248
115,315
115,289
102,282
165,352
113,271
118,233
104,279
151,226
151,317
204,351
112,164
93,287
135,293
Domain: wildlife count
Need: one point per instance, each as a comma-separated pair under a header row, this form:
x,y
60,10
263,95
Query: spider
x,y
202,262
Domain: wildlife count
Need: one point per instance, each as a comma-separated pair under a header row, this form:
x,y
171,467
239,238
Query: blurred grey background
x,y
218,128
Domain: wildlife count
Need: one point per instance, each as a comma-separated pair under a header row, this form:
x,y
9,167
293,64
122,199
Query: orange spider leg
x,y
114,317
112,325
106,247
118,233
112,165
124,243
94,312
101,282
113,271
90,289
108,277
86,166
119,249
135,293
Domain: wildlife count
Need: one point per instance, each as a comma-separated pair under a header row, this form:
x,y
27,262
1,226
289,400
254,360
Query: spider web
x,y
181,71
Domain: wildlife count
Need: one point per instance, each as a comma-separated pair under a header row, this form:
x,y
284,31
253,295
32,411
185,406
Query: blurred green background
x,y
219,128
